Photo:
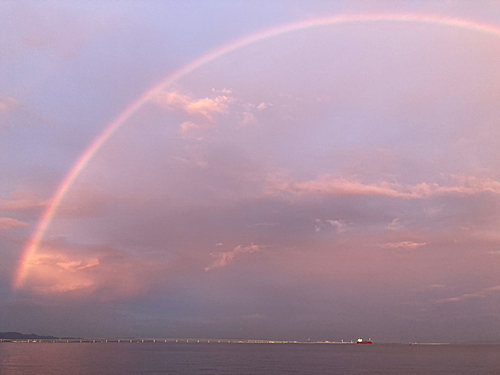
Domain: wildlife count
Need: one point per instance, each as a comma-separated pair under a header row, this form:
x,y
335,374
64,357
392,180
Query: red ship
x,y
360,341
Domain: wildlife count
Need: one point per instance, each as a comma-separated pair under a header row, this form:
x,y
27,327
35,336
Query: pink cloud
x,y
186,126
249,119
339,186
7,104
336,186
395,225
340,225
205,107
226,257
61,268
52,272
407,245
21,201
468,185
262,106
318,225
75,265
432,287
223,91
483,293
8,223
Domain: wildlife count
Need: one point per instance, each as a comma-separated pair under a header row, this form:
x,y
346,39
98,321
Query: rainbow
x,y
110,129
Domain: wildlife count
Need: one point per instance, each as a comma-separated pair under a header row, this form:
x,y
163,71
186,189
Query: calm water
x,y
194,358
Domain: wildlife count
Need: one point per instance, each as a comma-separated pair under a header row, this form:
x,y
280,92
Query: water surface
x,y
223,358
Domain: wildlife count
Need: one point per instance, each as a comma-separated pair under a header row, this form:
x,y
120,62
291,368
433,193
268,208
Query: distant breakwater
x,y
170,341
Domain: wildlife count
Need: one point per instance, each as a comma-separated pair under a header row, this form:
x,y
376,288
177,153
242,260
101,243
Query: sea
x,y
153,358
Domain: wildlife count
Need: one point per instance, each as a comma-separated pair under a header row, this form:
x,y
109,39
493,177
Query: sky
x,y
162,176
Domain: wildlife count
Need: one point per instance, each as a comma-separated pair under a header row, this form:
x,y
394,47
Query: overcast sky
x,y
326,183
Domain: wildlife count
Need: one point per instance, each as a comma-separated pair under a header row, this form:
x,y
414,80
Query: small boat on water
x,y
360,341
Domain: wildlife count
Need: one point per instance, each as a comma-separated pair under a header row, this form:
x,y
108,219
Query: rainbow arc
x,y
45,220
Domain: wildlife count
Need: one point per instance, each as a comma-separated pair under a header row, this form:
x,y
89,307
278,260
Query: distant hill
x,y
21,336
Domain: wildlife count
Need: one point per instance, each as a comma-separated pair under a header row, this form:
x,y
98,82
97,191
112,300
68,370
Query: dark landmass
x,y
21,336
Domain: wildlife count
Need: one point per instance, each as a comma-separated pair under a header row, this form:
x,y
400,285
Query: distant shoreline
x,y
16,337
216,341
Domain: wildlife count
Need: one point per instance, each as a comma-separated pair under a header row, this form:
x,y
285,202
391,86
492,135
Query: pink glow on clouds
x,y
205,166
21,201
76,265
56,270
205,107
339,225
340,186
407,245
226,257
186,126
59,273
395,225
483,293
8,223
8,104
